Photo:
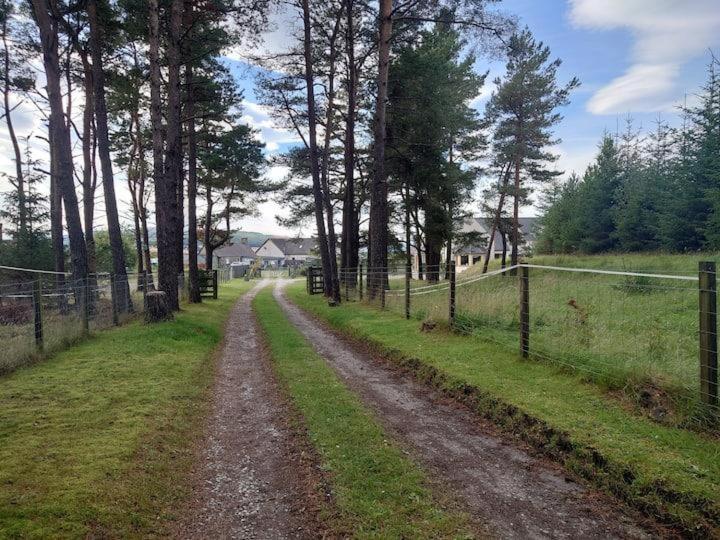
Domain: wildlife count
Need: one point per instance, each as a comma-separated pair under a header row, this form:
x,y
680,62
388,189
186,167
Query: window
x,y
463,260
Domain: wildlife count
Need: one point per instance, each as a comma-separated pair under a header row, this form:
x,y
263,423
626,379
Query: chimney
x,y
244,241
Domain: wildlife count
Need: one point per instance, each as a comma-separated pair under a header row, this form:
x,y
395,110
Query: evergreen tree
x,y
433,134
523,112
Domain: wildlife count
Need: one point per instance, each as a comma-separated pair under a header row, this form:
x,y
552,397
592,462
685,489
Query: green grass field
x,y
625,333
96,441
378,492
666,471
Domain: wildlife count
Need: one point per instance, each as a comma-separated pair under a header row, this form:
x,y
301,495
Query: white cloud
x,y
258,117
667,34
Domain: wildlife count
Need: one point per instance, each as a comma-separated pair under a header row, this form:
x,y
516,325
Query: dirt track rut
x,y
249,482
515,494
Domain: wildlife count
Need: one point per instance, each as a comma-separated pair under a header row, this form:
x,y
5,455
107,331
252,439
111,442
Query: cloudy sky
x,y
634,57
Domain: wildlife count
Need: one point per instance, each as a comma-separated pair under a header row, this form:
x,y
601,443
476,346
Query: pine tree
x,y
523,113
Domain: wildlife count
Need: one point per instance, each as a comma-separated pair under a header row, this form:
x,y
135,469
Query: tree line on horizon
x,y
645,191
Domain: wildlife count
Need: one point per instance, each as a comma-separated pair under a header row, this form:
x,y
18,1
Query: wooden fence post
x,y
524,281
360,281
215,284
708,333
37,310
114,300
451,314
407,290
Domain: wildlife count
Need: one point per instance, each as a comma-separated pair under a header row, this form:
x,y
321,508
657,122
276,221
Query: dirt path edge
x,y
686,514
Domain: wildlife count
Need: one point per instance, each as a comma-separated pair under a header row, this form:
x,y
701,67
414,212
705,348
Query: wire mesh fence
x,y
650,336
52,311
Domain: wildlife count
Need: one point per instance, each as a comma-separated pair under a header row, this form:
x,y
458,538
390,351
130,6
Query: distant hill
x,y
255,239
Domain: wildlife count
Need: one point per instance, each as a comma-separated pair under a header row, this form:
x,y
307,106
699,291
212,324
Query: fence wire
x,y
631,332
52,311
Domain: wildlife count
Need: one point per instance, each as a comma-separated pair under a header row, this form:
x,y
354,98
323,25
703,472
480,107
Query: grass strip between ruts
x,y
667,472
97,440
377,491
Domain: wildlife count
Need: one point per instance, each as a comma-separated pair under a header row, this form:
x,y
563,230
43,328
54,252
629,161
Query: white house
x,y
234,254
465,255
287,252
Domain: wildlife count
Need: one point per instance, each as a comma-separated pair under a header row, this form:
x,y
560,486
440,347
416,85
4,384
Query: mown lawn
x,y
667,471
377,491
96,441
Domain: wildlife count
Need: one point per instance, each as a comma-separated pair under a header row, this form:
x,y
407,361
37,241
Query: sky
x,y
638,58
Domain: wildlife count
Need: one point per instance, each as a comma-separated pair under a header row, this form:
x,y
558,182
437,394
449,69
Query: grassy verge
x,y
667,472
378,492
94,441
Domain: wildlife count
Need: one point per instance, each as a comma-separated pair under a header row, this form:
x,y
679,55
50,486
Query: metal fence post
x,y
360,281
215,284
708,333
524,277
407,290
451,313
114,300
37,310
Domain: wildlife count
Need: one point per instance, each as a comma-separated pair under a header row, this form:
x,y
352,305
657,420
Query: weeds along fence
x,y
45,314
651,336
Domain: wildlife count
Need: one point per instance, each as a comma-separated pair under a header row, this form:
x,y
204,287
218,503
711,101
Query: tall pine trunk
x,y
312,143
60,136
324,173
88,178
377,265
350,230
168,276
516,219
124,302
505,177
193,272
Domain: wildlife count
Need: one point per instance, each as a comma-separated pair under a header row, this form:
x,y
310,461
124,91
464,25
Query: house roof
x,y
295,246
235,250
528,229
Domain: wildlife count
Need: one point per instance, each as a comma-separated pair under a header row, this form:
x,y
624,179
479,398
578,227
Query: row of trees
x,y
157,103
380,97
378,94
645,192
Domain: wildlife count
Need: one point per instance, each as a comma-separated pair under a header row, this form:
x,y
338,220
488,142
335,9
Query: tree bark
x,y
193,271
516,219
124,302
164,197
349,243
168,256
88,179
208,229
327,199
60,136
312,144
505,175
379,192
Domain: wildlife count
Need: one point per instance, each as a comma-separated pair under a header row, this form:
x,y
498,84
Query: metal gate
x,y
315,283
